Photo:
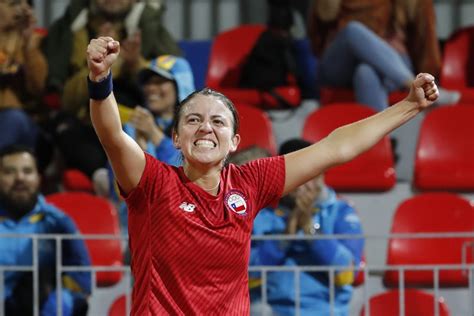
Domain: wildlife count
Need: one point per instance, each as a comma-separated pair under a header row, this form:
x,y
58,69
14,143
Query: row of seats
x,y
444,157
217,64
425,213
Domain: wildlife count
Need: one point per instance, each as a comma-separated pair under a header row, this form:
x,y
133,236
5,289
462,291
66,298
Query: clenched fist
x,y
101,54
423,91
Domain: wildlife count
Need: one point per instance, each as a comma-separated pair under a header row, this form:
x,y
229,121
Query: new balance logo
x,y
187,207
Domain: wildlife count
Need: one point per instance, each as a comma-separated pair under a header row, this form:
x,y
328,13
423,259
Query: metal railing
x,y
467,266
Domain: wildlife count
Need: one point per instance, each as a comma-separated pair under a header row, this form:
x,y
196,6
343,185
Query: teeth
x,y
204,143
154,97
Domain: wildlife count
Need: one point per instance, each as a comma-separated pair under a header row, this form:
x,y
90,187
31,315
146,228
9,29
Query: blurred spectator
x,y
138,27
272,61
312,209
165,81
375,46
23,71
23,210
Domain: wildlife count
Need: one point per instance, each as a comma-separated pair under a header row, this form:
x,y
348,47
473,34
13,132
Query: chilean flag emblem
x,y
236,202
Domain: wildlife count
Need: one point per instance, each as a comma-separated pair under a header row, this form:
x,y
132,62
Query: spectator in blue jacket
x,y
23,210
312,209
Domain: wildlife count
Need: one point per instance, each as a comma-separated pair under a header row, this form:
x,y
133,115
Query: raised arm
x,y
347,142
126,157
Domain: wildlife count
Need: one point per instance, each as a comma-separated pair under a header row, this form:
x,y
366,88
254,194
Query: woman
x,y
376,46
190,227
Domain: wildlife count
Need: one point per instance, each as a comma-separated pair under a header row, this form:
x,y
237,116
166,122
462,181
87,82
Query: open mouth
x,y
204,143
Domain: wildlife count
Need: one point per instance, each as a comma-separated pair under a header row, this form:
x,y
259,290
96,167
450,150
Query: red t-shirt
x,y
190,250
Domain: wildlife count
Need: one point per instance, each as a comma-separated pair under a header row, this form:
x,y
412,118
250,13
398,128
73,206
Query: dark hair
x,y
16,149
207,92
280,14
292,145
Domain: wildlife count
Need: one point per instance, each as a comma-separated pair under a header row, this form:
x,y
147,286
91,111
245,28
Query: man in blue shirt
x,y
23,210
311,209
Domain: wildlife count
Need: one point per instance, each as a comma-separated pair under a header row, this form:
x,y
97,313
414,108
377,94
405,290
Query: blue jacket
x,y
335,216
43,219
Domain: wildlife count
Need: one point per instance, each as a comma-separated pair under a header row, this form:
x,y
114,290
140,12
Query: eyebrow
x,y
200,116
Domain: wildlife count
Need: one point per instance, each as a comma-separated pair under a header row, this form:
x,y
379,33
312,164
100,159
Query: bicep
x,y
127,160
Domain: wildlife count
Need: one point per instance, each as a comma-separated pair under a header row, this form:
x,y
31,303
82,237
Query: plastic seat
x,y
457,68
118,307
76,180
228,52
431,213
94,215
417,303
445,152
255,128
371,171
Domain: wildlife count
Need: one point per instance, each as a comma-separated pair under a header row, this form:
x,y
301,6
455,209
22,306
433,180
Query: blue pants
x,y
360,59
16,127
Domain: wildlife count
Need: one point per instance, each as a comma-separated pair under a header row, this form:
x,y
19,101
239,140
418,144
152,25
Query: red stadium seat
x,y
431,213
329,95
445,151
371,171
228,53
76,180
94,215
359,277
255,128
118,307
457,71
417,303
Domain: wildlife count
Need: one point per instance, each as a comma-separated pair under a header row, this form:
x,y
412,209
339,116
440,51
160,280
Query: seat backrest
x,y
431,213
255,128
228,52
457,68
371,171
417,303
118,307
445,151
94,215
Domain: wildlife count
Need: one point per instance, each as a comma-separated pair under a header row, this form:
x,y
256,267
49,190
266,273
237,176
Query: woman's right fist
x,y
101,54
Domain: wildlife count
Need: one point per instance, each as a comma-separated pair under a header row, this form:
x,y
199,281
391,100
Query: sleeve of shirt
x,y
266,178
149,186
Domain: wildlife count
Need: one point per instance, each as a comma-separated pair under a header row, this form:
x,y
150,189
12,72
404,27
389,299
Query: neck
x,y
207,179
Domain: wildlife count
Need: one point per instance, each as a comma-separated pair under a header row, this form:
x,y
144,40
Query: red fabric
x,y
190,250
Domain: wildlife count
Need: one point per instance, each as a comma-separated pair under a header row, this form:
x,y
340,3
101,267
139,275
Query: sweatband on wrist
x,y
102,89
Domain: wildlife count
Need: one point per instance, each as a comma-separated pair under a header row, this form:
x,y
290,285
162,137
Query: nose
x,y
205,126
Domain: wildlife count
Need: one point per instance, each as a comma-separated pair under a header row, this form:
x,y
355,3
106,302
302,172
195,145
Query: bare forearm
x,y
106,119
354,139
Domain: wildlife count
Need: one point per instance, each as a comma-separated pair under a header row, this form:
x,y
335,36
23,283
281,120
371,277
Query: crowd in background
x,y
373,47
